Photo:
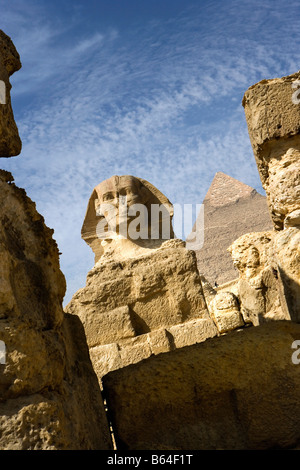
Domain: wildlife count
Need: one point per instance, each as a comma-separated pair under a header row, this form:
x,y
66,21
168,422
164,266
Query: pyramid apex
x,y
225,189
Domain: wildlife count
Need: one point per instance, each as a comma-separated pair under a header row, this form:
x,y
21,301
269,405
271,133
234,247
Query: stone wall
x,y
235,392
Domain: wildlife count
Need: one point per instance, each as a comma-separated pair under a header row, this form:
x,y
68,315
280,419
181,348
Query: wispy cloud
x,y
162,103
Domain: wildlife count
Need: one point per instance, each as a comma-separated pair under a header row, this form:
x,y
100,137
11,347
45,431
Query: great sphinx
x,y
144,293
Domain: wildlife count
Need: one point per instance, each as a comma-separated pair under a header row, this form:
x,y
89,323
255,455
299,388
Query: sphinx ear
x,y
145,194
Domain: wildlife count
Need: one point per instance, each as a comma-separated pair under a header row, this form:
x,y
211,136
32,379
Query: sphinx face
x,y
115,196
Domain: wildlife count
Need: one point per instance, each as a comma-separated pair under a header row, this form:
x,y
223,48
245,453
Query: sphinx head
x,y
126,207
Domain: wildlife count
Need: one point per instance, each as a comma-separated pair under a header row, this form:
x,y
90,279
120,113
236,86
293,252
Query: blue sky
x,y
143,87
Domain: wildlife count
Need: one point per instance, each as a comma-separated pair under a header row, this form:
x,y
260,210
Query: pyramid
x,y
231,209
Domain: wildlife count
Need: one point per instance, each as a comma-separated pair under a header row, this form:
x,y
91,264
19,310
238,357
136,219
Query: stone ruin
x,y
148,348
273,118
10,142
143,296
238,390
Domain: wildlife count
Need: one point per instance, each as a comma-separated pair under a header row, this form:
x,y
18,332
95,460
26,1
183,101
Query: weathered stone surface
x,y
161,288
287,258
237,391
272,109
108,326
142,305
10,142
192,332
272,112
108,357
259,278
273,115
50,397
231,209
225,311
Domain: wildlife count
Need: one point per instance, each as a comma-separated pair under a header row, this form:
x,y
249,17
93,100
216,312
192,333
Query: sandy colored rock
x,y
225,311
237,391
108,357
287,257
272,109
159,288
272,112
10,142
231,209
142,305
50,397
259,278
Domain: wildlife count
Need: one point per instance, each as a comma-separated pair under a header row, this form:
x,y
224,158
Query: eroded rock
x,y
225,311
50,397
234,392
259,281
272,109
10,142
136,305
273,116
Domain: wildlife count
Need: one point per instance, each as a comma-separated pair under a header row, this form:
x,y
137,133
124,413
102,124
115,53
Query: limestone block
x,y
234,392
105,358
192,332
10,142
108,327
272,109
108,357
224,310
160,341
138,350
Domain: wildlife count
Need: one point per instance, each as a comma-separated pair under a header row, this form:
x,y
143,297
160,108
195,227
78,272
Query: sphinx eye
x,y
108,197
